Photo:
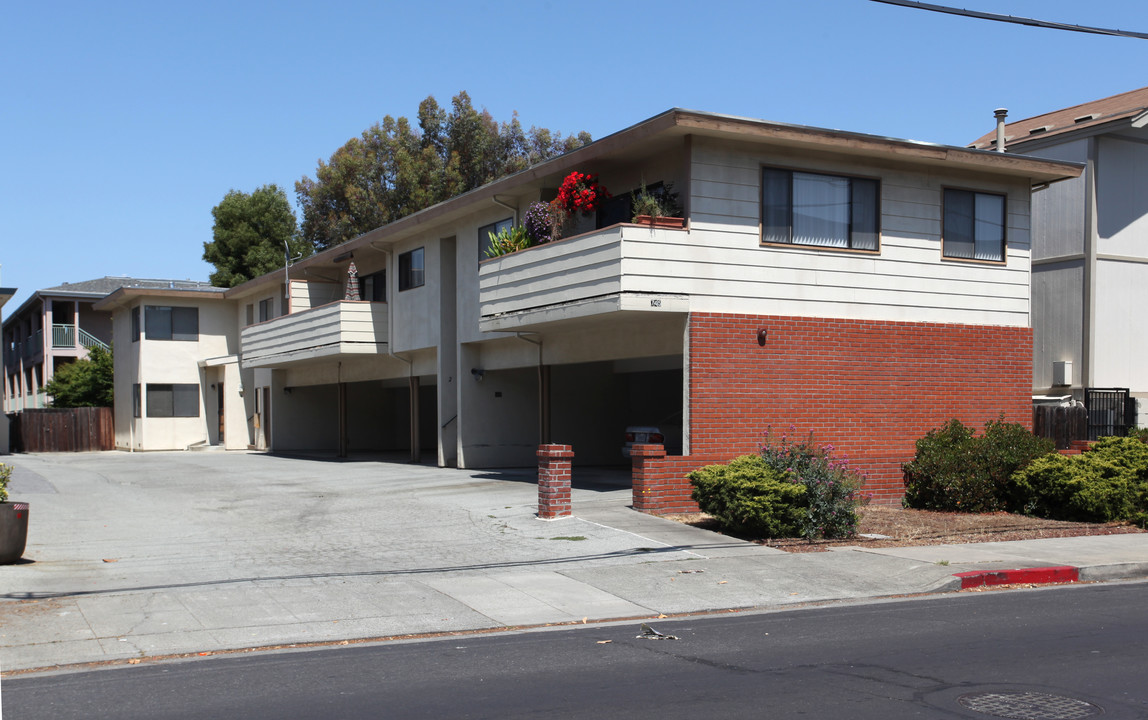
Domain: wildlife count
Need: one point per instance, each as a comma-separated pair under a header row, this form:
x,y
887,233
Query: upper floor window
x,y
171,323
266,309
411,269
802,208
135,326
974,226
486,231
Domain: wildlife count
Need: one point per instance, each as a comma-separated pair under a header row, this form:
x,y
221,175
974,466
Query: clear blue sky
x,y
124,123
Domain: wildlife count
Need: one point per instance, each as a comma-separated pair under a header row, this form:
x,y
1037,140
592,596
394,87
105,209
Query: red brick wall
x,y
870,388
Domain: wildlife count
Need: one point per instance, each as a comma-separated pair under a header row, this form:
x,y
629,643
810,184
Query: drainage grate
x,y
1029,706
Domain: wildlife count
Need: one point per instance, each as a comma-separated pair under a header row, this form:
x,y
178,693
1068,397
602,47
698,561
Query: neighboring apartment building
x,y
177,380
1090,254
55,326
5,295
861,288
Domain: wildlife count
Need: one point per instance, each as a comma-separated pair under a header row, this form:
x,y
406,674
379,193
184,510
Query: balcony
x,y
322,333
621,268
34,345
64,336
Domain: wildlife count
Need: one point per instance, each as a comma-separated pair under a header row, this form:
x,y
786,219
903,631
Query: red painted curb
x,y
1054,574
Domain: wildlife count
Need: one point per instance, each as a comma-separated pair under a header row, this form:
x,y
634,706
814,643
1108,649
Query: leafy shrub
x,y
747,496
1106,484
507,240
832,488
5,476
955,470
1140,433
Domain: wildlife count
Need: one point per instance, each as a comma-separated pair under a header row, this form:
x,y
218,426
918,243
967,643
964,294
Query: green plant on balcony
x,y
658,202
508,240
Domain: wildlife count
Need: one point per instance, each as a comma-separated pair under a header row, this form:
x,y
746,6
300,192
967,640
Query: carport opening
x,y
593,404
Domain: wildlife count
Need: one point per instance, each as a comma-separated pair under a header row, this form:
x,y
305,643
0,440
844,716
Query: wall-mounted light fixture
x,y
477,373
762,334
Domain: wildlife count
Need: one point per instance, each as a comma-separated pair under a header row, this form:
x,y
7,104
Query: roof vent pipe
x,y
1000,114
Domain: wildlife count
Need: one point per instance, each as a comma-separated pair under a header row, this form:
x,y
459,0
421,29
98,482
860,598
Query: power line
x,y
1013,19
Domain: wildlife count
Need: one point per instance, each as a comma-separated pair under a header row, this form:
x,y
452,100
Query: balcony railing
x,y
64,336
34,345
328,331
622,267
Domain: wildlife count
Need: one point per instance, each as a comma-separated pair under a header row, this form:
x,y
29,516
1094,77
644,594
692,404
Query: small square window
x,y
974,226
412,273
171,323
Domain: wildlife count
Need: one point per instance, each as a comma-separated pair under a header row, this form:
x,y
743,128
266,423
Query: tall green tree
x,y
251,234
87,382
394,169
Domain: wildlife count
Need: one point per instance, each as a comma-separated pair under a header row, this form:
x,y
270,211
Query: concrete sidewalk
x,y
134,556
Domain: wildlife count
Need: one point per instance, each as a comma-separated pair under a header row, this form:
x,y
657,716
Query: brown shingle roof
x,y
1098,112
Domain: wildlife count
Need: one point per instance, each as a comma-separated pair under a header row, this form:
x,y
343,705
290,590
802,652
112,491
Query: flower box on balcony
x,y
675,223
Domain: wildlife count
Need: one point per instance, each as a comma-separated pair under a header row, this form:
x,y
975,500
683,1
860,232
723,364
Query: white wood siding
x,y
729,271
334,329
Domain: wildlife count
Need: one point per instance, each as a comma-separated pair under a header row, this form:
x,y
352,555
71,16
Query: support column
x,y
554,480
342,420
544,404
416,455
647,477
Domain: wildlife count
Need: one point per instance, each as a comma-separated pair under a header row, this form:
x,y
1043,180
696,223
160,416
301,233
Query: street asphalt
x,y
133,557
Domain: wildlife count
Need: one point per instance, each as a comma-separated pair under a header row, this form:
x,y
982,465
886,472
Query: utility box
x,y
1062,372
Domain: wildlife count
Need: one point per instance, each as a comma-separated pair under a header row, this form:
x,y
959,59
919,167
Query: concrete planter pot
x,y
13,531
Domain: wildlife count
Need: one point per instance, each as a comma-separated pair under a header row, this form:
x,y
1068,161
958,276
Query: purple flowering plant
x,y
540,223
832,488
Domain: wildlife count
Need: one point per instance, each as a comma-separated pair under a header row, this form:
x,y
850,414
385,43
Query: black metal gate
x,y
1111,411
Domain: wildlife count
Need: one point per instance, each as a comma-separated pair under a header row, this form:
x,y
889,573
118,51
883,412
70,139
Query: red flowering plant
x,y
580,193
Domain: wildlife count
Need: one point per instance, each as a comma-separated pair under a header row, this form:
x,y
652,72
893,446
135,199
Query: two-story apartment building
x,y
56,326
1090,258
861,288
177,380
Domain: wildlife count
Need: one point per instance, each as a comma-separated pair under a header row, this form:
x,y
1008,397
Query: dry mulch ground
x,y
923,527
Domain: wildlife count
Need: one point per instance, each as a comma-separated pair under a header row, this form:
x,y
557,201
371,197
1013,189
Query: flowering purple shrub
x,y
832,489
539,222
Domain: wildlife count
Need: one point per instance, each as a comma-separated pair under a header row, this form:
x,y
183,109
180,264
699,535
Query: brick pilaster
x,y
554,480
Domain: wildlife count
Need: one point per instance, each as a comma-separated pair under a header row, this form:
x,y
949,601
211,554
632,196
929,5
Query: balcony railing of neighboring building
x,y
64,336
34,345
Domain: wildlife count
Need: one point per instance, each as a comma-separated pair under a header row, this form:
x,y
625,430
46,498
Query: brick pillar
x,y
646,475
554,480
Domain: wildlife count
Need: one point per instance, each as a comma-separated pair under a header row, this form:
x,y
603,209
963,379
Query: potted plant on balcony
x,y
508,240
577,202
13,522
657,207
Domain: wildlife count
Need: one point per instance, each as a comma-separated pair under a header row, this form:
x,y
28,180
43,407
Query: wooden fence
x,y
1061,424
63,430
